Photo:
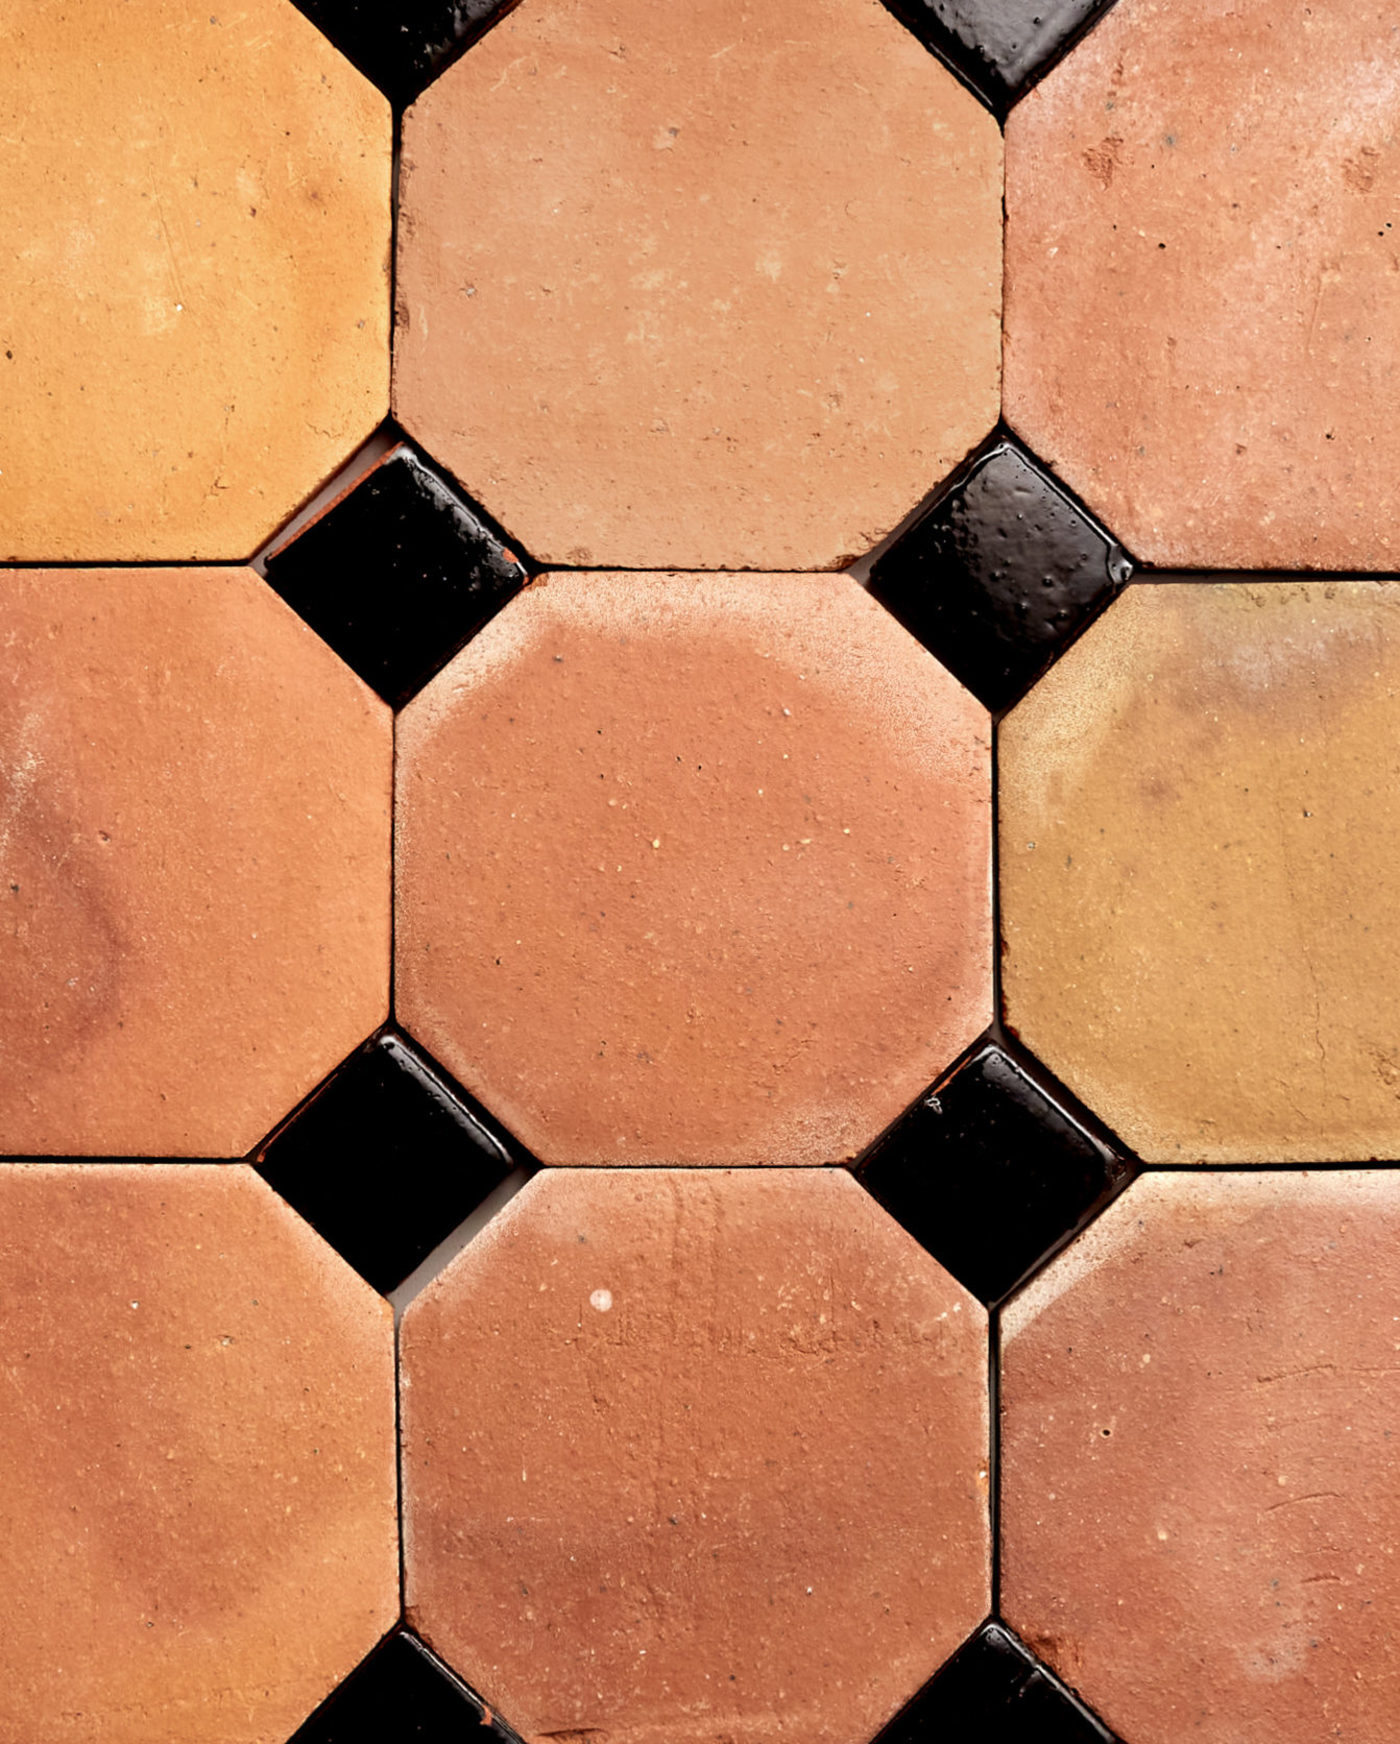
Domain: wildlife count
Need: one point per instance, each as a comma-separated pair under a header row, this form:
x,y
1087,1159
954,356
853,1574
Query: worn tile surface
x,y
1202,325
194,321
712,286
194,861
695,1455
1199,1496
1198,875
198,1528
693,870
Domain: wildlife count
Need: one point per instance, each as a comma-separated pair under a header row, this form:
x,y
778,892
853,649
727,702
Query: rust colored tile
x,y
194,322
699,286
694,869
194,861
198,1532
1202,322
1198,1481
741,1490
1199,884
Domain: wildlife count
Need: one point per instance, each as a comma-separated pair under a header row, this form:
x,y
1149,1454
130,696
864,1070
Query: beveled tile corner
x,y
743,1492
702,287
195,316
694,869
999,46
194,861
400,1693
199,1528
404,46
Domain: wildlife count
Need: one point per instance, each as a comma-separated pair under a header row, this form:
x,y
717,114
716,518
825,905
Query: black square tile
x,y
1001,574
991,1172
397,575
399,1694
386,1159
1000,46
402,45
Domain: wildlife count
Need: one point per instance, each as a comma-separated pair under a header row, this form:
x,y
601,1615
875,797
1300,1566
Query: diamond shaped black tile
x,y
386,1159
992,1172
992,1691
1001,574
1000,46
401,1693
402,44
397,574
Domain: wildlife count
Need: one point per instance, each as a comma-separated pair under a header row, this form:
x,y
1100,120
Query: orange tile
x,y
694,869
194,848
198,1531
695,1455
707,286
194,324
1202,320
1199,887
1198,1490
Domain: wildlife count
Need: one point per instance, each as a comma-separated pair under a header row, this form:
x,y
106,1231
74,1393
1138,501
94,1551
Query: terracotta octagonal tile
x,y
695,1455
694,869
1202,322
198,1532
194,861
1200,1500
708,286
1198,879
194,311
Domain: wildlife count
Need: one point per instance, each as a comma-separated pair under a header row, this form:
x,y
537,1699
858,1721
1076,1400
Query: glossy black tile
x,y
992,1691
991,1171
402,45
1000,46
402,1693
1001,574
386,1159
397,575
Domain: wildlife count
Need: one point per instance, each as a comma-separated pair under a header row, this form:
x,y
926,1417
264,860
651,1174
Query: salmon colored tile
x,y
693,1456
1199,887
1201,309
194,311
708,286
198,1530
694,869
1199,1498
194,861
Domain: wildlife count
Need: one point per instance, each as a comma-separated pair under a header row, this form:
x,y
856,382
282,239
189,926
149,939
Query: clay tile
x,y
194,321
693,1455
709,286
693,869
198,1533
194,862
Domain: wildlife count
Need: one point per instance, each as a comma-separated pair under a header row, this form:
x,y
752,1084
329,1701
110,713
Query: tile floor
x,y
698,740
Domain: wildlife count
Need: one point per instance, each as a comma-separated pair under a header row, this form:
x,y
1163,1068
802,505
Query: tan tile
x,y
1199,1502
699,286
198,1531
695,1455
194,311
1199,886
694,869
194,861
1202,320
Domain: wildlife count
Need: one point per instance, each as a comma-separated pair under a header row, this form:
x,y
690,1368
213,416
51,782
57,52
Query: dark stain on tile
x,y
993,1171
386,1159
999,46
402,45
401,1693
1001,574
397,574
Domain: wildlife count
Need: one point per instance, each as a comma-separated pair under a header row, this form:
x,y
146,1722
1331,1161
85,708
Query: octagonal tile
x,y
194,317
1202,325
198,1533
194,861
707,287
693,1455
1199,1489
694,870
